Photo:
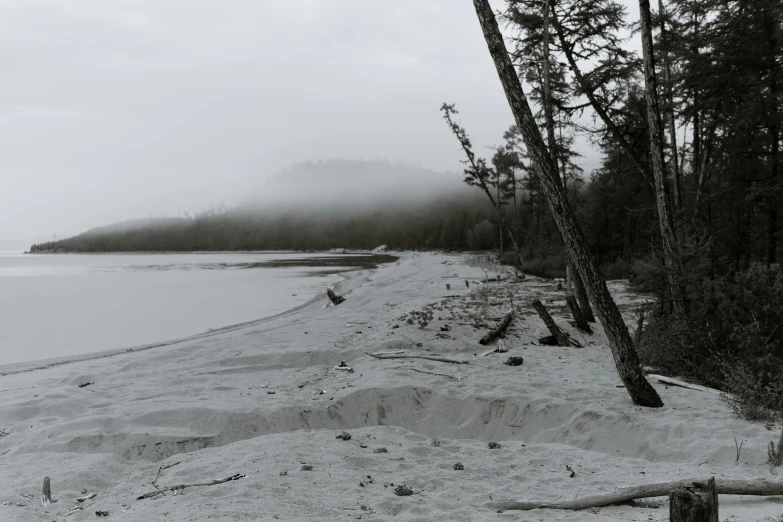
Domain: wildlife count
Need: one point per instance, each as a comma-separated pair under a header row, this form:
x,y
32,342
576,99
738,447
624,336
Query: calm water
x,y
60,305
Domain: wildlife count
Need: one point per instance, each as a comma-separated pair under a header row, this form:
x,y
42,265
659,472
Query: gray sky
x,y
113,109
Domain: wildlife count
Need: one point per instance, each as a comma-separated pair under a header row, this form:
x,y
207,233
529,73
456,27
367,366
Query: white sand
x,y
205,403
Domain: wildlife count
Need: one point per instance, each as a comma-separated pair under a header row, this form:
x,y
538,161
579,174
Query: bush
x,y
481,236
547,267
617,269
730,340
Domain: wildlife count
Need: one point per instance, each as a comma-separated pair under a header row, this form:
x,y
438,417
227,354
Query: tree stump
x,y
696,504
580,320
334,298
46,492
557,333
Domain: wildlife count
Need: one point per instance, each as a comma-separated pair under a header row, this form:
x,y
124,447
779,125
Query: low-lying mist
x,y
311,206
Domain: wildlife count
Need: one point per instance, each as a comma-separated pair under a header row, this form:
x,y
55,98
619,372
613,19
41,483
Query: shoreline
x,y
269,402
42,364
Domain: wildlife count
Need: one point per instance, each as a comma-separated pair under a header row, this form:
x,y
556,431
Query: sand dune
x,y
264,400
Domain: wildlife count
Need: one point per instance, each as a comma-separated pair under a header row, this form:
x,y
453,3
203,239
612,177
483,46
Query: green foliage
x,y
481,236
731,340
547,267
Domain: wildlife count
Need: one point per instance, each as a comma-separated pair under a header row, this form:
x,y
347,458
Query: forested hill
x,y
312,206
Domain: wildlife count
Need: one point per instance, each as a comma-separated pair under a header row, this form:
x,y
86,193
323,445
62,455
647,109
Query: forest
x,y
685,202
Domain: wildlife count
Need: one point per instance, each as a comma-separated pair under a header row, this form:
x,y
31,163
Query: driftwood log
x,y
152,494
499,329
557,333
576,312
334,298
428,357
756,487
696,504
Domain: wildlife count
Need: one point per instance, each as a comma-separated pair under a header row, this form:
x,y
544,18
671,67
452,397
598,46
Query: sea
x,y
60,305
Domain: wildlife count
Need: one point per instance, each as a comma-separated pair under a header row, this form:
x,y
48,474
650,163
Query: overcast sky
x,y
113,109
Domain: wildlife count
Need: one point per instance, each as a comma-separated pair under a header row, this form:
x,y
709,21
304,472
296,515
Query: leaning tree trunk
x,y
573,278
662,199
626,359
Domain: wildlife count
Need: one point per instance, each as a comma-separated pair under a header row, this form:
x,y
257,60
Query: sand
x,y
264,399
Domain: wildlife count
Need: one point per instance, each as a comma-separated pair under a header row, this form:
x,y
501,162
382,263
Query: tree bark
x,y
699,504
667,78
662,199
755,487
576,312
560,336
625,356
573,280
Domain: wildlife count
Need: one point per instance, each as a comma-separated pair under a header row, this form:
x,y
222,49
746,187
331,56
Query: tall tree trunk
x,y
573,279
774,137
662,199
667,78
500,210
625,357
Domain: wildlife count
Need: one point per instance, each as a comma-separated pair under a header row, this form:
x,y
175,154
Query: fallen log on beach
x,y
428,357
334,298
756,487
499,329
557,333
152,494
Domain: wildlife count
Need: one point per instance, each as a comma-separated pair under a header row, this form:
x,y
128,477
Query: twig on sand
x,y
161,469
152,494
756,487
437,359
433,373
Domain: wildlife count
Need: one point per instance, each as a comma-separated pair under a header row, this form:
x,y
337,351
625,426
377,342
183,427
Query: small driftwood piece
x,y
86,497
499,329
429,358
557,333
334,298
696,504
755,487
682,384
46,492
501,348
167,467
152,494
576,312
432,373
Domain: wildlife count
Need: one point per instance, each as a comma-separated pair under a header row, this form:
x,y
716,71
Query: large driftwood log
x,y
576,312
699,504
499,329
757,487
428,357
557,333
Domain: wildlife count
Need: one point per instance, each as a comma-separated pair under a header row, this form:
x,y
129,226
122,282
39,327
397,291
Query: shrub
x,y
547,267
617,269
481,236
731,340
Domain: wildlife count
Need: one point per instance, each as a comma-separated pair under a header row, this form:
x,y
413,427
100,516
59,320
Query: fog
x,y
118,109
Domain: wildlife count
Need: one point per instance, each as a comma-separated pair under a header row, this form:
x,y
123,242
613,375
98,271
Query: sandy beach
x,y
265,401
